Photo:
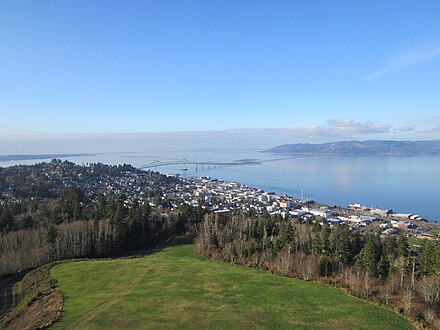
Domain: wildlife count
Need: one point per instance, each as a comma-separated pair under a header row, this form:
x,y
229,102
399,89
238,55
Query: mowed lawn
x,y
177,288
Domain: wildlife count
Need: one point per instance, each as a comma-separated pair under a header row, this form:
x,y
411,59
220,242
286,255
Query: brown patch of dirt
x,y
41,312
293,321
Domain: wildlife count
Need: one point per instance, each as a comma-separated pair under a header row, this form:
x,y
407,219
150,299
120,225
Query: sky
x,y
258,71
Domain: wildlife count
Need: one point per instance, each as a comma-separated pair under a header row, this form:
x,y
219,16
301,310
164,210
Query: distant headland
x,y
371,147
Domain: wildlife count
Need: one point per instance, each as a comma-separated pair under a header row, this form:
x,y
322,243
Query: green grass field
x,y
415,241
176,288
435,231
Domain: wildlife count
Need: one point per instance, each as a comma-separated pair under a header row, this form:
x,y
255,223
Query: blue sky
x,y
311,70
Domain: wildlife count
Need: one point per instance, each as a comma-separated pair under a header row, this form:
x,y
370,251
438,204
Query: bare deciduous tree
x,y
429,289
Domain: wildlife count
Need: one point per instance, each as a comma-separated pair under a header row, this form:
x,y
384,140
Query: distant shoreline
x,y
364,148
302,173
6,158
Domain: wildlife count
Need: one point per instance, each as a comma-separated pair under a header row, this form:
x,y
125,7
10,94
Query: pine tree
x,y
428,258
285,237
51,235
6,220
344,246
368,258
325,266
402,246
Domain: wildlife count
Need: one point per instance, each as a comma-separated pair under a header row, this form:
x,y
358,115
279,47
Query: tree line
x,y
73,227
51,221
383,269
59,210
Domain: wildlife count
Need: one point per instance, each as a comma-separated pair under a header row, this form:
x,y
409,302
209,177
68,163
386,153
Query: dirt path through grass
x,y
178,289
93,312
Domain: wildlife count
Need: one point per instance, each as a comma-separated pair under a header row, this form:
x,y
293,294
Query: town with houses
x,y
169,192
222,197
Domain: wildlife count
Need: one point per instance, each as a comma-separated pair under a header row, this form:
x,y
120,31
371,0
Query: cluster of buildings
x,y
224,197
7,197
217,195
50,179
221,196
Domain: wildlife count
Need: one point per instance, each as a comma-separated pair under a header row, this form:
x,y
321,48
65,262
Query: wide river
x,y
408,184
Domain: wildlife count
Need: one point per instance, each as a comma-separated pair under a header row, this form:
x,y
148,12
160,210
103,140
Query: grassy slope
x,y
38,301
179,289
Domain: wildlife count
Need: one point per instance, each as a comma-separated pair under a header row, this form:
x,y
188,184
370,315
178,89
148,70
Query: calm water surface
x,y
408,184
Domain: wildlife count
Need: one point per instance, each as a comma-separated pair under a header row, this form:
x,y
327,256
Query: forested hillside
x,y
60,210
373,147
379,268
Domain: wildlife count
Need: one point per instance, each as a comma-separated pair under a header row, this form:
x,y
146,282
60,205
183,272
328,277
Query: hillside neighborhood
x,y
171,192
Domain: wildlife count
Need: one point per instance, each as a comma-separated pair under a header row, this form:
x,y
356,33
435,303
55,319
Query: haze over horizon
x,y
80,76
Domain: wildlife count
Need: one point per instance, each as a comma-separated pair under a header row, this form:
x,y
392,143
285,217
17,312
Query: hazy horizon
x,y
88,74
140,142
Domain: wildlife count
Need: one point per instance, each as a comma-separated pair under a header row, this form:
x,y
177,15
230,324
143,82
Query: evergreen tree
x,y
383,267
111,206
428,258
101,206
368,258
52,234
6,219
325,239
119,223
402,246
285,237
344,246
390,247
325,266
316,239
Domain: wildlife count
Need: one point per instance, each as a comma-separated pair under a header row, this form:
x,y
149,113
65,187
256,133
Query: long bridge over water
x,y
185,161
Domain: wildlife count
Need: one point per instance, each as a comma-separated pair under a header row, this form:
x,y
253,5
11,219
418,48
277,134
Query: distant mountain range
x,y
373,147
